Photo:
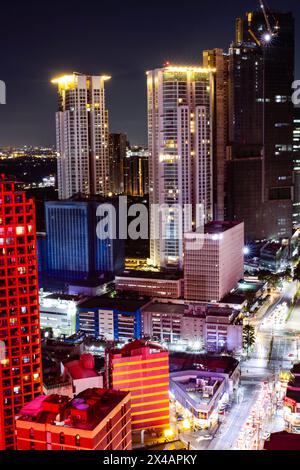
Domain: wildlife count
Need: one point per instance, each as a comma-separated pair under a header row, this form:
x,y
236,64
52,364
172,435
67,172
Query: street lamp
x,y
186,424
267,37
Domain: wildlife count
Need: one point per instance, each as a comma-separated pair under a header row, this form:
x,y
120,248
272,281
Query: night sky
x,y
39,40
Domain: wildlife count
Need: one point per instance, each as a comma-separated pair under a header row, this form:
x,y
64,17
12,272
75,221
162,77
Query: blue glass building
x,y
113,318
74,251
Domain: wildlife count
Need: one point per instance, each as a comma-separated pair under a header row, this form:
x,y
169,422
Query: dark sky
x,y
40,39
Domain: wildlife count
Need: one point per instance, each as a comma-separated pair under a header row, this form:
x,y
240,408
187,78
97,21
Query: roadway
x,y
275,349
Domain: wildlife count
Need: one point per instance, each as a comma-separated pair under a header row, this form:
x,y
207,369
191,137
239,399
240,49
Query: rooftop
x,y
91,282
220,227
164,275
199,388
296,369
85,411
82,198
233,299
160,307
185,361
245,287
221,312
271,248
283,441
65,297
293,395
83,368
136,347
116,303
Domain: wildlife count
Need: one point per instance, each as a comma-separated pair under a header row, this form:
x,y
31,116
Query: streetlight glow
x,y
267,37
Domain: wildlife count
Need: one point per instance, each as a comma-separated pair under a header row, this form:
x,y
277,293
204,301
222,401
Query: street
x,y
276,348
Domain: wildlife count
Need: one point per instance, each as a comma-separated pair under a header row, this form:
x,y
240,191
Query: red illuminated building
x,y
20,360
143,369
97,419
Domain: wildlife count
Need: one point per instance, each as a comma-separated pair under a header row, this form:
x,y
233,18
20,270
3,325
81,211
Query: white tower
x,y
180,161
82,135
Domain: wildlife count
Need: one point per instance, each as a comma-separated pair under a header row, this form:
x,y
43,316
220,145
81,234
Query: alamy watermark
x,y
296,94
173,223
2,92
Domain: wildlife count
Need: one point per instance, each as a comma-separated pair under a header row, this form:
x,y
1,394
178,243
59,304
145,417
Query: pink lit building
x,y
212,271
96,419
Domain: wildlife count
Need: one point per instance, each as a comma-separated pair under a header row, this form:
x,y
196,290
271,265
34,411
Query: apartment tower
x,y
82,135
180,160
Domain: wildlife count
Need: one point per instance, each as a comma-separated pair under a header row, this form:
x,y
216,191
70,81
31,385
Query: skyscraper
x,y
216,58
20,367
74,251
180,160
296,146
261,73
82,135
117,155
136,172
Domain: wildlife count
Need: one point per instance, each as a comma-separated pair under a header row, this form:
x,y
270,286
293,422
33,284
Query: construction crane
x,y
271,30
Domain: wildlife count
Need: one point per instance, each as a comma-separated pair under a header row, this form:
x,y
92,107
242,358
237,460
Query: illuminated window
x,y
20,230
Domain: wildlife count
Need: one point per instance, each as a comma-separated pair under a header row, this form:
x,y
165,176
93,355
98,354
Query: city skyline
x,y
27,118
150,292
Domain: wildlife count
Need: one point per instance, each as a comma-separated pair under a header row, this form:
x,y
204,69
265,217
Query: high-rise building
x,y
143,369
82,135
117,155
20,362
216,58
74,250
261,73
96,419
214,268
296,148
136,172
180,160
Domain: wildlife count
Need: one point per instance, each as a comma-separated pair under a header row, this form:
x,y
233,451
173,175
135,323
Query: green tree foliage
x,y
248,337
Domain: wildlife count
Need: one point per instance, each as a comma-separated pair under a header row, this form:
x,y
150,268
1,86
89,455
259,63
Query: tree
x,y
248,337
297,272
251,298
287,275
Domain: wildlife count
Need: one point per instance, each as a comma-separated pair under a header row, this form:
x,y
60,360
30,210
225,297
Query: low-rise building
x,y
83,374
201,395
153,284
283,441
96,419
227,366
199,326
58,312
292,404
223,330
115,319
162,322
274,256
